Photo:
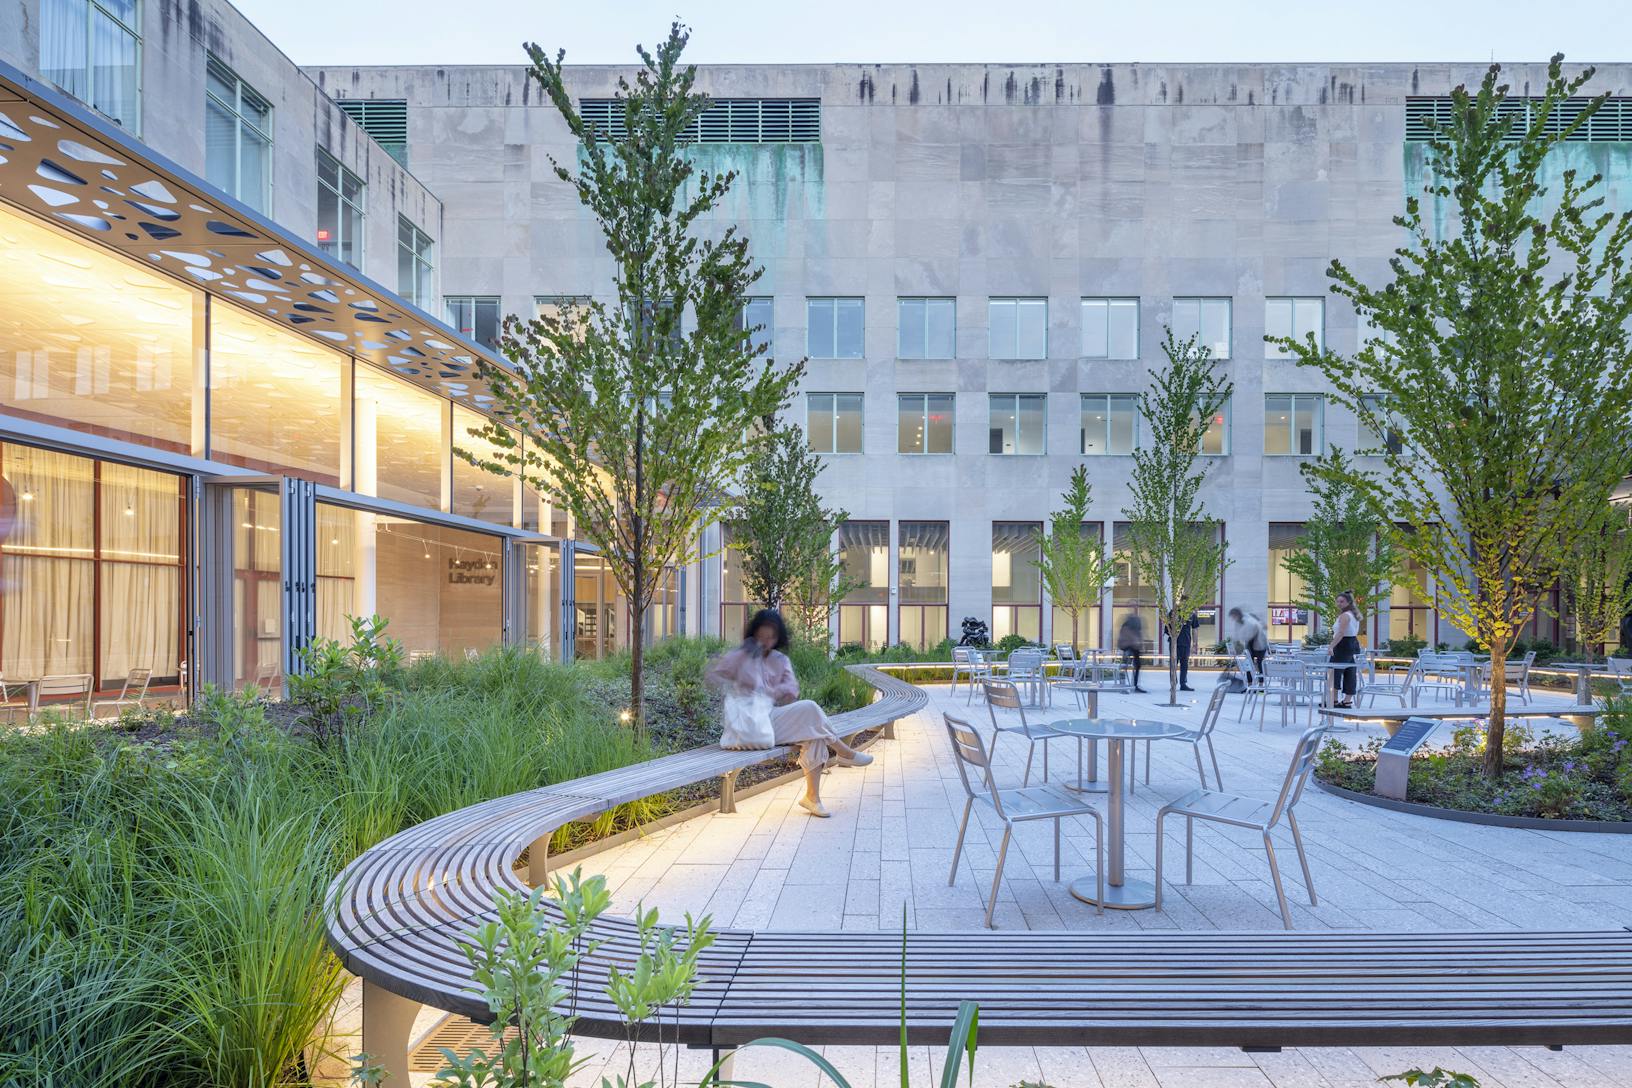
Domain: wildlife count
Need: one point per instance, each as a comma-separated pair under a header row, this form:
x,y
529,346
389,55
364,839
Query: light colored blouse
x,y
1347,625
746,670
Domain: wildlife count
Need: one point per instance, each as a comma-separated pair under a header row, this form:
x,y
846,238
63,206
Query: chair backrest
x,y
1209,716
1297,772
1620,666
1065,651
973,760
1005,695
137,679
1027,659
79,683
1283,668
960,655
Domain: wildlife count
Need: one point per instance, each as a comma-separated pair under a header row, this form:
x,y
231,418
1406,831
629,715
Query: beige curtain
x,y
141,583
46,580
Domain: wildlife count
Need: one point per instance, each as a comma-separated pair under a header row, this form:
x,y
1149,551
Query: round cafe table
x,y
1120,892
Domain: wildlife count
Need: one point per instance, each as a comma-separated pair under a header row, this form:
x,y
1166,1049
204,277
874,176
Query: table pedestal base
x,y
1086,785
1130,895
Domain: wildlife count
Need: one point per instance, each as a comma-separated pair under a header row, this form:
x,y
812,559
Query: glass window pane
x,y
478,493
938,431
1215,326
1124,421
113,70
1124,329
757,314
848,335
1277,322
1032,428
1216,440
910,328
92,341
922,562
1095,328
1308,319
1095,426
63,50
1015,550
941,336
1032,329
1186,318
398,430
819,421
1277,423
254,166
847,423
864,549
1000,317
909,425
819,328
1001,428
274,397
1306,423
220,147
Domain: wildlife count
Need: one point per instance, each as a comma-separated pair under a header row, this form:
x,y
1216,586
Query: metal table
x,y
1087,692
1120,892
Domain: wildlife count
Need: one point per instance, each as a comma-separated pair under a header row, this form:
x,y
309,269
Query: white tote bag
x,y
748,721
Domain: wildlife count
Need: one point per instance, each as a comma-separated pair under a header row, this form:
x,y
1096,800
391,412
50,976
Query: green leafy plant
x,y
1437,1078
1342,547
1071,558
1012,642
339,684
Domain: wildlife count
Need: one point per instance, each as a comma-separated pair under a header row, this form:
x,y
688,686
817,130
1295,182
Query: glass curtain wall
x,y
1088,623
735,607
864,551
599,609
543,608
921,565
1289,620
1017,586
257,581
399,444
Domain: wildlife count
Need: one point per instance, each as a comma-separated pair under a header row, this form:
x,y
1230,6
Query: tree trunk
x,y
1172,665
1074,643
637,680
1497,725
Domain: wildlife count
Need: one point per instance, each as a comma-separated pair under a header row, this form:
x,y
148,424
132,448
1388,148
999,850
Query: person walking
x,y
1345,647
759,677
1130,639
1247,636
1183,650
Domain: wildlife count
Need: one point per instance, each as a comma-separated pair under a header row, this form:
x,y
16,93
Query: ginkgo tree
x,y
1501,359
1071,559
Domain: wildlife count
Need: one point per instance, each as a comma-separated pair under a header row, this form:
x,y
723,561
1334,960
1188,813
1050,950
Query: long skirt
x,y
804,723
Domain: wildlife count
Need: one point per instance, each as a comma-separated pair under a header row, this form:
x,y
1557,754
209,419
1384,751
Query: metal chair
x,y
1518,675
135,678
1287,682
1249,812
969,662
1003,695
1197,737
1253,679
1620,668
1404,689
77,686
1013,807
13,697
1028,668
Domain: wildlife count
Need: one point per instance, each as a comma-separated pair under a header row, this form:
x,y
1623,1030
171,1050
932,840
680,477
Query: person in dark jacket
x,y
1130,639
1183,650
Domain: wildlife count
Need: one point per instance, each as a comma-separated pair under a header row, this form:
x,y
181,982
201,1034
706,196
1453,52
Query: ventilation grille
x,y
385,119
1611,124
727,120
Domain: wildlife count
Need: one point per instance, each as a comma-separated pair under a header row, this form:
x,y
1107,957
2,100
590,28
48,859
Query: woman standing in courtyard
x,y
1345,647
758,679
1130,639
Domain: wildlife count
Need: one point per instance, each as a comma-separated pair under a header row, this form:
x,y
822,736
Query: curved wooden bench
x,y
400,909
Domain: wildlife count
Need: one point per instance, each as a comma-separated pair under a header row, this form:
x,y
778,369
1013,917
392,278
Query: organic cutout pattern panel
x,y
96,185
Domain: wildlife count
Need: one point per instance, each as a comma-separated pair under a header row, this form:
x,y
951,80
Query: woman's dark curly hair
x,y
768,617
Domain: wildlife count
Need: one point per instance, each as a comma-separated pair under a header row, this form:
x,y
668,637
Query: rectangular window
x,y
927,328
735,607
921,566
1018,423
1110,328
92,50
833,422
1207,319
864,551
834,328
1017,585
1110,423
1084,632
398,433
756,318
339,211
476,318
1293,424
1215,441
924,423
1019,328
237,137
415,273
1371,442
1289,620
1298,318
478,493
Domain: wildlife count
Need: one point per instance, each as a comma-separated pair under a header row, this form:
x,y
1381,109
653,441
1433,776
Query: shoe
x,y
1186,687
1141,691
860,759
814,808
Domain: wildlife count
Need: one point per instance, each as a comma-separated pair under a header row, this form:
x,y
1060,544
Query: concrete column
x,y
388,1025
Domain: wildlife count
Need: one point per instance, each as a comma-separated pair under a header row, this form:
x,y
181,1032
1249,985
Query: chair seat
x,y
1041,802
1227,808
1034,731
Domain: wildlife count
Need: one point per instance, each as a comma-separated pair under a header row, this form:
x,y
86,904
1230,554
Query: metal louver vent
x,y
385,119
1612,123
727,120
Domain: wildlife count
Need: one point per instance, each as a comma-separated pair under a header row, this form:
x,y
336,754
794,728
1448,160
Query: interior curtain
x,y
46,581
62,44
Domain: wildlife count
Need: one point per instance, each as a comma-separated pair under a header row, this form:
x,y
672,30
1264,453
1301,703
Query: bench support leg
x,y
728,792
726,1059
889,730
388,1022
538,861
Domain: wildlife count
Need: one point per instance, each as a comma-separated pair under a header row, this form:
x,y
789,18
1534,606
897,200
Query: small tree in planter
x,y
1343,546
1598,583
1071,561
1503,362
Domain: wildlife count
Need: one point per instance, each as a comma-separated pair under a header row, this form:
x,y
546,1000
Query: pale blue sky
x,y
801,31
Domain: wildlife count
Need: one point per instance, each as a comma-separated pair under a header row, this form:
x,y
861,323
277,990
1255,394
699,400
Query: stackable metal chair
x,y
131,695
1287,682
78,685
1251,813
1254,679
1198,737
1003,695
1028,668
969,663
1620,668
1014,806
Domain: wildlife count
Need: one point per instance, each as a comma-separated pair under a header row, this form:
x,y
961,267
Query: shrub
x,y
1010,643
1404,646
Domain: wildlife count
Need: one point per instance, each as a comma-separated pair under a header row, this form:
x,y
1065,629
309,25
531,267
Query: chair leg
x,y
997,877
1275,871
957,851
1303,859
1045,759
1099,863
1196,748
1189,849
1030,752
1057,849
1160,816
1213,752
1147,762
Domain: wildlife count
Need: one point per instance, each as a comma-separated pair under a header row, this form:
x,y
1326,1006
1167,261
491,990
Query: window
x,y
339,211
1018,423
921,567
1019,328
414,268
1292,424
924,423
1110,423
833,422
1215,441
927,328
1130,597
476,318
91,49
1411,604
384,119
833,328
1371,442
1207,319
478,493
735,607
1298,318
864,552
1289,620
1110,328
237,137
1017,585
399,435
1082,632
755,318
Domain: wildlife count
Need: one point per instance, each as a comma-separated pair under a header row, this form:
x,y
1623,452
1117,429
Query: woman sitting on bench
x,y
758,672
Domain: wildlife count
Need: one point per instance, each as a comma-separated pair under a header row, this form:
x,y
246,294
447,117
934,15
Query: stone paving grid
x,y
889,845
